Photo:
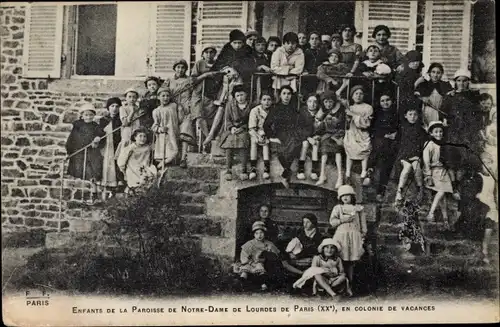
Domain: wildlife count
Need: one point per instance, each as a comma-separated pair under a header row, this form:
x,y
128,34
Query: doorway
x,y
327,17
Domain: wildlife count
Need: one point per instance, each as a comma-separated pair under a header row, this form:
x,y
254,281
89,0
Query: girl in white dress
x,y
350,227
357,142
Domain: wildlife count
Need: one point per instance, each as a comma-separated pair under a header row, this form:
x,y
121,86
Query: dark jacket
x,y
309,245
81,135
313,58
242,61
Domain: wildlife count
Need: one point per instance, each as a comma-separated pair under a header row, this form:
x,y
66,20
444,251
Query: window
x,y
125,40
96,40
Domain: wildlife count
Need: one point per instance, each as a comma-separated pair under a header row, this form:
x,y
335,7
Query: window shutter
x,y
446,34
399,16
172,35
132,39
43,41
216,19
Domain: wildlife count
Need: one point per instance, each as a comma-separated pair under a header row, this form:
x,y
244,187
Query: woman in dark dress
x,y
290,126
304,246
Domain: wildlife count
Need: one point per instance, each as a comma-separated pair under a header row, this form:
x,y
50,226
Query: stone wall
x,y
36,118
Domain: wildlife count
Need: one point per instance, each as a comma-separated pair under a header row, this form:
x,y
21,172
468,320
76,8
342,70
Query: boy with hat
x,y
149,101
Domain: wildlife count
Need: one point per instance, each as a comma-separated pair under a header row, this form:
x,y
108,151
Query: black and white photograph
x,y
249,162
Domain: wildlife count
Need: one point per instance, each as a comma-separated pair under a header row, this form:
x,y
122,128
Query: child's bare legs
x,y
215,126
437,198
338,163
324,284
364,167
349,269
403,178
184,150
444,212
229,159
322,174
267,163
244,164
488,232
253,159
419,179
348,167
314,158
454,179
302,160
203,127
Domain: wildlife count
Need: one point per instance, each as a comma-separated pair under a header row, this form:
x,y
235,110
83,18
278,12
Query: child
x,y
149,101
166,129
350,226
327,270
273,43
377,72
436,175
135,160
263,61
237,63
312,110
180,85
331,127
258,136
235,136
204,93
260,258
432,92
87,164
112,177
407,78
383,133
129,116
411,142
357,141
288,59
327,71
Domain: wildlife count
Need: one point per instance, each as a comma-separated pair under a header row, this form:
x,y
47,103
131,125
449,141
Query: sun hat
x,y
345,190
113,100
131,89
180,62
251,33
413,55
164,89
209,48
462,72
87,106
434,124
259,225
355,88
328,241
329,94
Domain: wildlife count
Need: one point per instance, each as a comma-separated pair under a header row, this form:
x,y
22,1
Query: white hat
x,y
462,72
131,90
344,190
259,225
87,106
383,69
326,38
328,241
432,124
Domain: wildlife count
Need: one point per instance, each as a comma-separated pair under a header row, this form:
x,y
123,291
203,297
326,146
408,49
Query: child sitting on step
x,y
312,111
258,137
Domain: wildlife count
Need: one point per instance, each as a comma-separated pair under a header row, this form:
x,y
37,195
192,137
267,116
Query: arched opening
x,y
289,205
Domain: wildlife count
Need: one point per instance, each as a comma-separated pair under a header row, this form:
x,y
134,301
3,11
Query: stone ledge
x,y
27,239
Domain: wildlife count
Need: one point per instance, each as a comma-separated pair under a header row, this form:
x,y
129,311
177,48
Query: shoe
x,y
285,183
263,287
301,176
243,176
217,103
228,176
364,173
321,181
265,175
314,176
380,198
183,163
367,181
456,196
430,218
252,176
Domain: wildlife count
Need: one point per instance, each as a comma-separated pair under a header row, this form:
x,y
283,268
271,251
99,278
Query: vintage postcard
x,y
249,162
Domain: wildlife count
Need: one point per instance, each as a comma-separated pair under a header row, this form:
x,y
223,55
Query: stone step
x,y
196,173
186,197
191,186
192,208
202,225
204,160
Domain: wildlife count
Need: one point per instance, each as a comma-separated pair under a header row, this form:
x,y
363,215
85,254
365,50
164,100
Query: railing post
x,y
373,93
198,127
84,172
299,90
397,95
251,89
164,150
61,196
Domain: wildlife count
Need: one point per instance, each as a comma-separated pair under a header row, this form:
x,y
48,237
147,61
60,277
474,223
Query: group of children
x,y
328,261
